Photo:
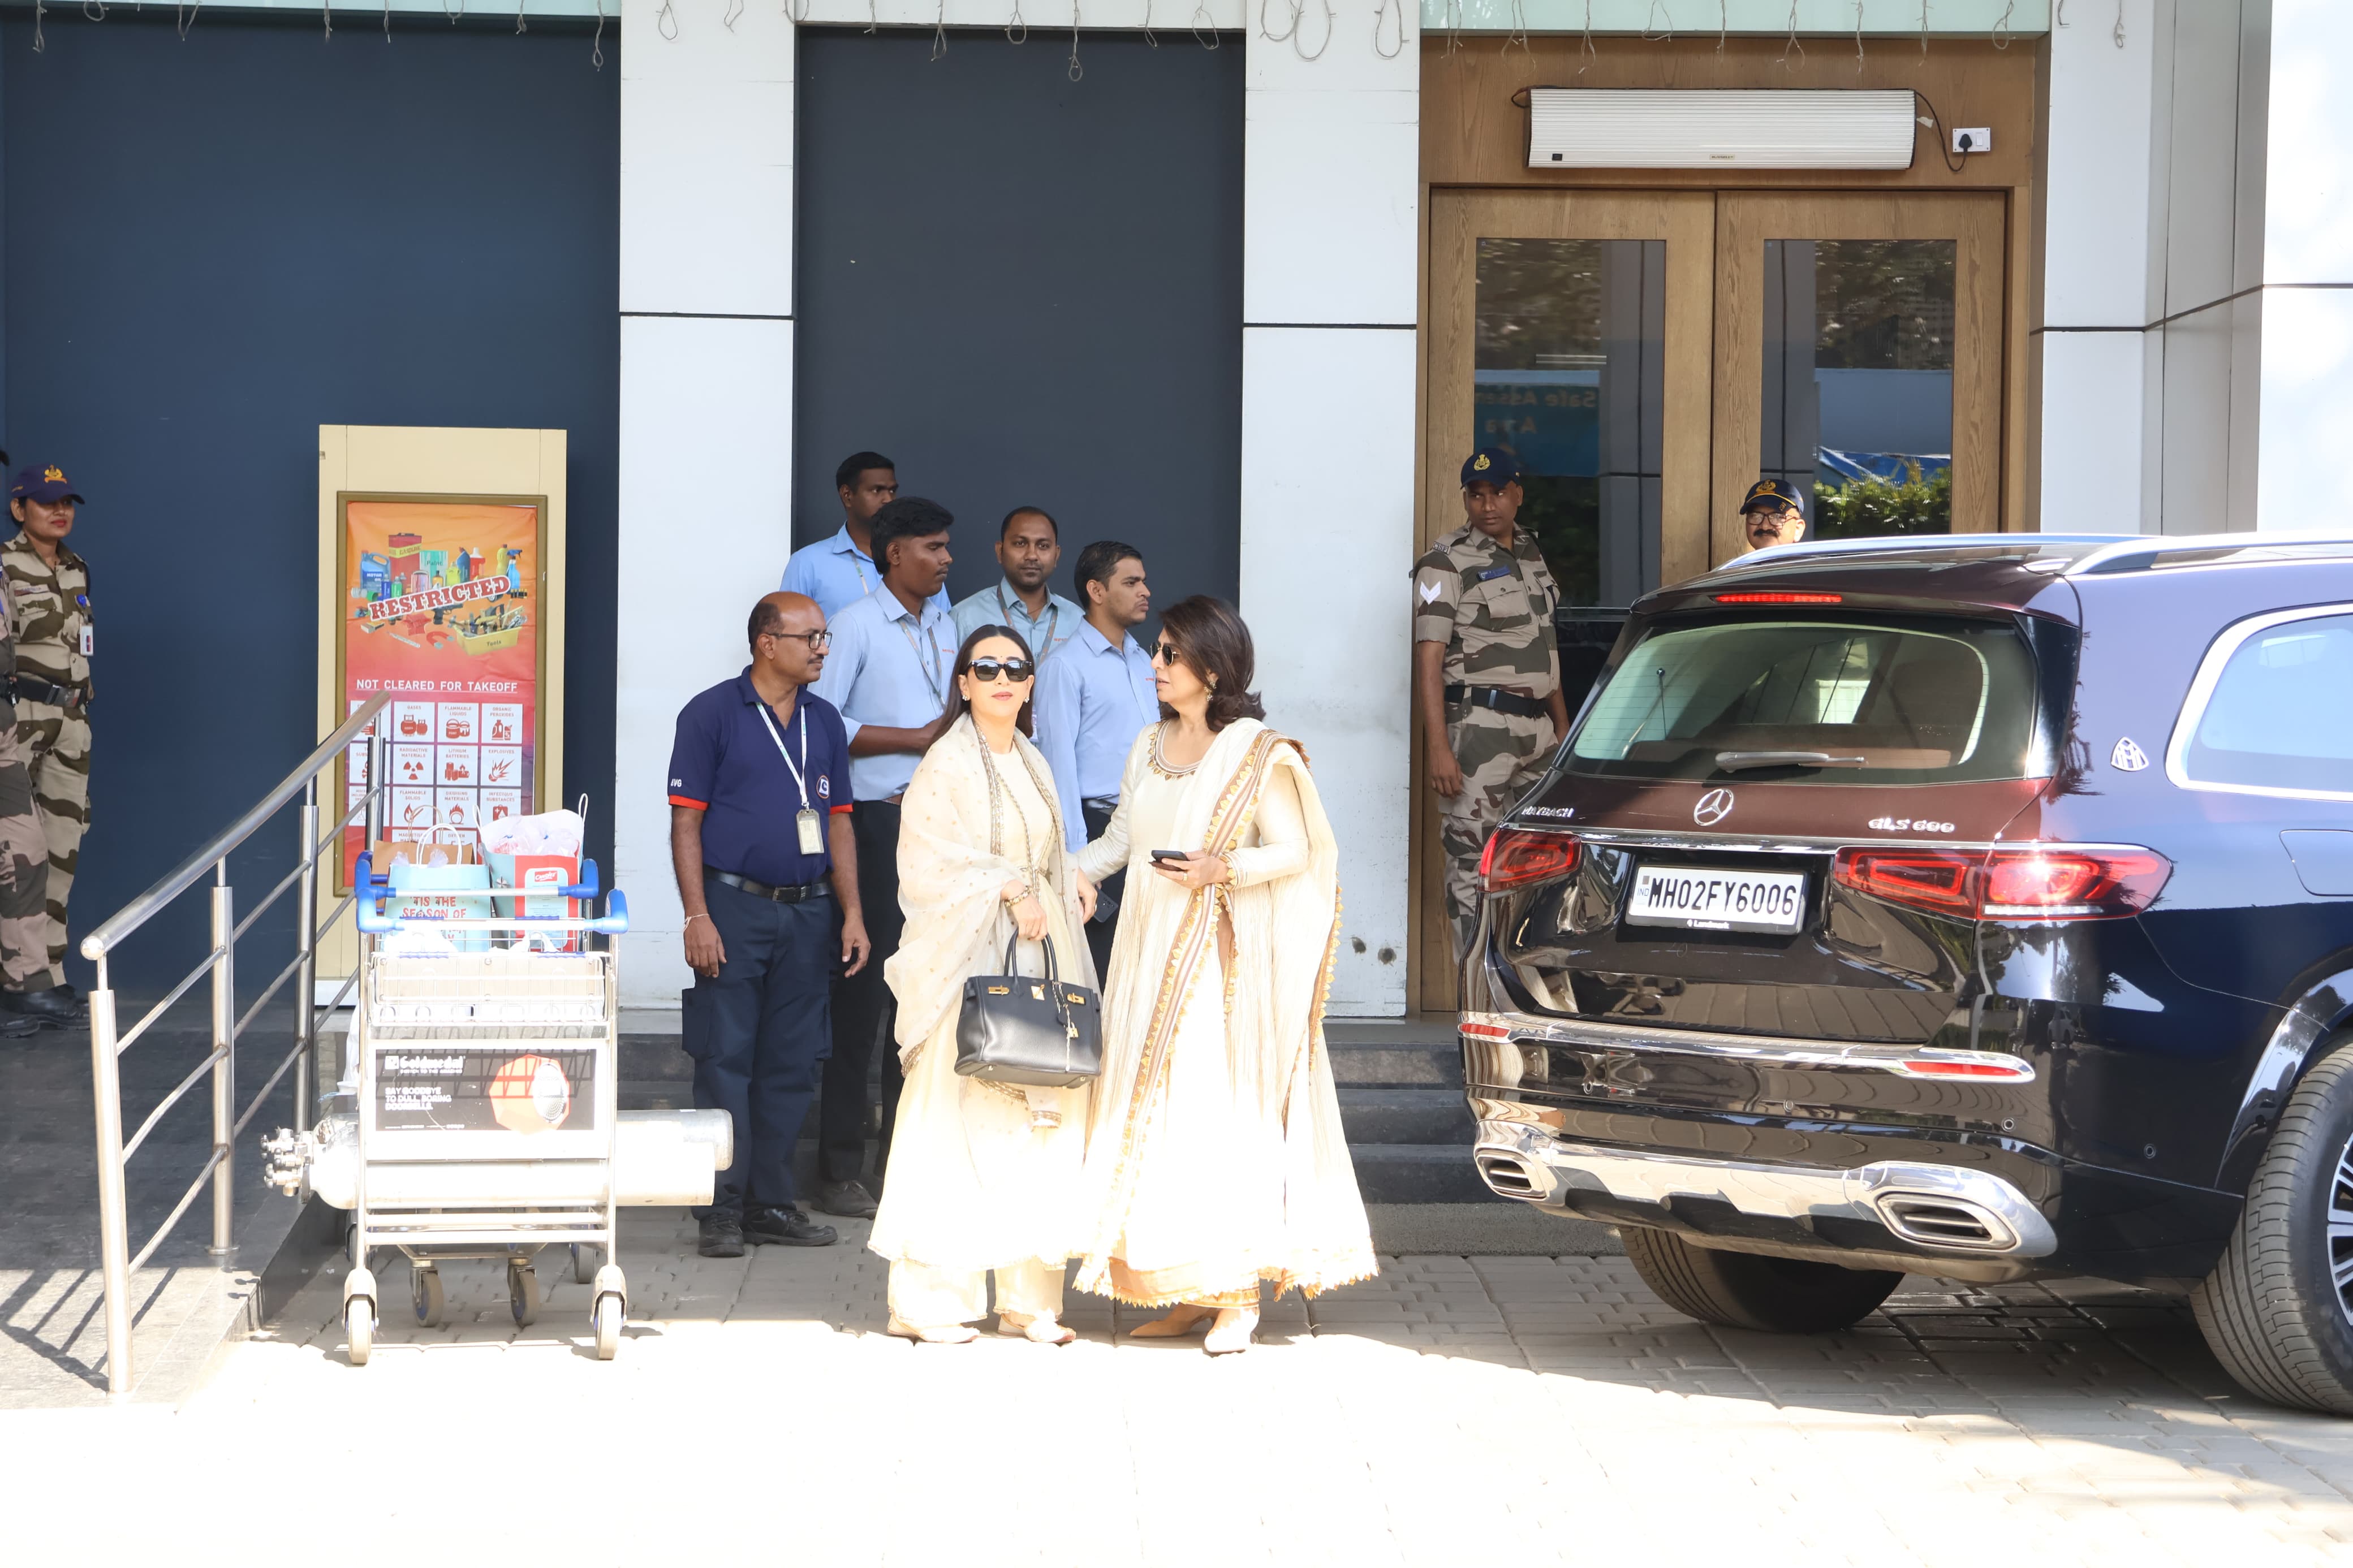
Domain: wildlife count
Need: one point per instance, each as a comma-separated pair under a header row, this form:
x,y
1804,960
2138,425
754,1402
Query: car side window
x,y
2279,715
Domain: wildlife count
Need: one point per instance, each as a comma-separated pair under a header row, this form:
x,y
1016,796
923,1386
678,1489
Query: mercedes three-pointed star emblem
x,y
1713,807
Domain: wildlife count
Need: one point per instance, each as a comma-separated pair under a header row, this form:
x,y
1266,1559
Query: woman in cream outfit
x,y
983,1175
1216,1158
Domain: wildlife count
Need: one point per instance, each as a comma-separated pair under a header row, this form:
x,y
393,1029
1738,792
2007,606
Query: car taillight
x,y
1933,879
2033,881
2071,882
1515,856
1779,597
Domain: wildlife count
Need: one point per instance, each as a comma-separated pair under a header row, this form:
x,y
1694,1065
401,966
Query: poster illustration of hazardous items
x,y
442,614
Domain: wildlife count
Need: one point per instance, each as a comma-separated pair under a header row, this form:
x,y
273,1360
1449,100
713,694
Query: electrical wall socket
x,y
1973,139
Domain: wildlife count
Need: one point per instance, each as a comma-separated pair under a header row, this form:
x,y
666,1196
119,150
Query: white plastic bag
x,y
548,832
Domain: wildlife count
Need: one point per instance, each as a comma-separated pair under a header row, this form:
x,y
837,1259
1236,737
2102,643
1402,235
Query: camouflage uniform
x,y
23,856
48,620
1493,609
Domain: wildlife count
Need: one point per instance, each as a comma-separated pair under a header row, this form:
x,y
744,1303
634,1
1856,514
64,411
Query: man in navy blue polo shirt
x,y
759,835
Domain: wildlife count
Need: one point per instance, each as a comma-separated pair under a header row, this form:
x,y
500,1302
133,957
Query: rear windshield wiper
x,y
1736,761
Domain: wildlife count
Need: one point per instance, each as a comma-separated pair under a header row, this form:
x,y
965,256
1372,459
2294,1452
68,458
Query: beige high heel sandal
x,y
950,1334
1038,1331
1238,1337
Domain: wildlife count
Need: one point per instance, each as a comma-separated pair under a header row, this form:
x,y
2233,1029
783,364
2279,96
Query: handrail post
x,y
306,973
114,1217
223,1247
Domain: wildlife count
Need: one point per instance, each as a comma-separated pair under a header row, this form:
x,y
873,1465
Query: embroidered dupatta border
x,y
1226,823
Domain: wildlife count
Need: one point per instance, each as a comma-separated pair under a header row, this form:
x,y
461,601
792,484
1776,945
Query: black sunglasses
x,y
1016,670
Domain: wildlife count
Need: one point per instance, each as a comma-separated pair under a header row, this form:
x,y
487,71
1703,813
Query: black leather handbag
x,y
1027,1029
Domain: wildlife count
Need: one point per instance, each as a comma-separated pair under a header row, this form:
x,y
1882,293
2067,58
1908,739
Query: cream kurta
x,y
982,1175
1217,1159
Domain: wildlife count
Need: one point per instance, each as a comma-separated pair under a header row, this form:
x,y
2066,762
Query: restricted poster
x,y
442,612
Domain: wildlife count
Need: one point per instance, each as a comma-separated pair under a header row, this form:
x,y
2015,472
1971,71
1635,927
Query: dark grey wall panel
x,y
213,247
1026,289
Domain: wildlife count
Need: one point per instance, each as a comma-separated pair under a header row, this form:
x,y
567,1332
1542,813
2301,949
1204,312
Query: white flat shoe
x,y
1041,1329
950,1334
1230,1339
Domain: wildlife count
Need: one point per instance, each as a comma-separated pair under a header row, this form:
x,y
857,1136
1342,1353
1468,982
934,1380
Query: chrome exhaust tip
x,y
1508,1175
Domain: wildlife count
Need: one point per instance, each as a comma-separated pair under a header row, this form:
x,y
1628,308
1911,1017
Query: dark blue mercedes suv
x,y
1977,907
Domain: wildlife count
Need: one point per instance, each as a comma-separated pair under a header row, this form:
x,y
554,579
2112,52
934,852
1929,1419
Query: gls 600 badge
x,y
1908,825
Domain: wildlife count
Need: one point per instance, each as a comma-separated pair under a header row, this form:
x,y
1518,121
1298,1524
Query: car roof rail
x,y
2151,552
1922,543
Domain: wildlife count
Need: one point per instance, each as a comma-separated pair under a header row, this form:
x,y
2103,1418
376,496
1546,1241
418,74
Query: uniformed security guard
x,y
1486,671
1770,514
49,623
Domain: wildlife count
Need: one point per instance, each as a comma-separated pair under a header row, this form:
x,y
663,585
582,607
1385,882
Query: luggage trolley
x,y
485,1056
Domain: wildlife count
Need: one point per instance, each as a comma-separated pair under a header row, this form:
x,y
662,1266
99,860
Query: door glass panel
x,y
1567,378
1858,404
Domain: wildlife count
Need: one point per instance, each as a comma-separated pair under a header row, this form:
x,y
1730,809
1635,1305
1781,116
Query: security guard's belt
x,y
25,689
1501,700
792,895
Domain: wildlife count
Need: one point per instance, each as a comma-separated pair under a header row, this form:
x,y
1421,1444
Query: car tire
x,y
2272,1310
1750,1290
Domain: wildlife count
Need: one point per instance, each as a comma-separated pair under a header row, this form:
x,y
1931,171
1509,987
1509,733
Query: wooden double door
x,y
1647,356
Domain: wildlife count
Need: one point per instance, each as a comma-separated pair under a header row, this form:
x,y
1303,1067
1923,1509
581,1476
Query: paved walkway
x,y
1490,1411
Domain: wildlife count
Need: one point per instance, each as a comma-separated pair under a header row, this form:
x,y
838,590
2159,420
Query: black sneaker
x,y
722,1235
785,1227
17,1026
850,1200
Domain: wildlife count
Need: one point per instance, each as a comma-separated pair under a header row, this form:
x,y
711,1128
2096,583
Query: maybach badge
x,y
2127,757
1713,807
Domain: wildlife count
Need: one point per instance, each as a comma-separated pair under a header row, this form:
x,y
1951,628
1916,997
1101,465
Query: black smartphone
x,y
1170,854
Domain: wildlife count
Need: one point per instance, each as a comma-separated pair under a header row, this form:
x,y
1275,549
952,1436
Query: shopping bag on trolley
x,y
443,892
538,857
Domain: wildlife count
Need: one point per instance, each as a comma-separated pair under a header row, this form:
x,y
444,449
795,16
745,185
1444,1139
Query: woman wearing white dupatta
x,y
1217,1159
983,1175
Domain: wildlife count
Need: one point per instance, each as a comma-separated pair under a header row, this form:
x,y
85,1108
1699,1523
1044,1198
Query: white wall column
x,y
2308,299
2103,278
706,407
1331,161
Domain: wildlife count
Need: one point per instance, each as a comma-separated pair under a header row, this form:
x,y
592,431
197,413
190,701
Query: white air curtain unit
x,y
1610,128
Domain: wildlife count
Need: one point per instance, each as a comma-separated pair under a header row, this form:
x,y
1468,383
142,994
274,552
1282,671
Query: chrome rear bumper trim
x,y
1536,1167
1771,1048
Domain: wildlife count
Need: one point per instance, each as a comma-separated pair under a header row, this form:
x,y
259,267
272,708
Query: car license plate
x,y
1706,897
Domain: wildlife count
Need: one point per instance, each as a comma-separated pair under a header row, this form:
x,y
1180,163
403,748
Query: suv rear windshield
x,y
1916,701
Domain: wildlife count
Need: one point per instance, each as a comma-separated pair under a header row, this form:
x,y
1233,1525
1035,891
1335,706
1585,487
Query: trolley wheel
x,y
359,1329
424,1294
522,1294
586,1257
607,1320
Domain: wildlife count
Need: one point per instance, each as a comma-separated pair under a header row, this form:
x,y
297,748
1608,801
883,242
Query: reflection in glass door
x,y
1567,376
1857,407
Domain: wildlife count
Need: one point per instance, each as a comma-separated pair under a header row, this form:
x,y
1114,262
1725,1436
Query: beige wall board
x,y
455,461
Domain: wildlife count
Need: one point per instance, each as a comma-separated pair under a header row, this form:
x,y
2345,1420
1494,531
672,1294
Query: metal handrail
x,y
106,1047
182,877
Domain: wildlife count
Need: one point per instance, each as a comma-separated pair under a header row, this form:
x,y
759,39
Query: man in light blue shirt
x,y
889,672
1093,701
1029,548
839,571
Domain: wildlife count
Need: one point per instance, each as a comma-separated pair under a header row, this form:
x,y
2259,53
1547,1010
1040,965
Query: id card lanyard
x,y
805,820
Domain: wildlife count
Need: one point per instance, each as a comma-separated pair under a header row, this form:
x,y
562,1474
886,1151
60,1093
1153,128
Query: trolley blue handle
x,y
370,887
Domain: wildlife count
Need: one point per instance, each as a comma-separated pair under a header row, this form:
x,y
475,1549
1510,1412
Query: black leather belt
x,y
792,895
25,688
1501,700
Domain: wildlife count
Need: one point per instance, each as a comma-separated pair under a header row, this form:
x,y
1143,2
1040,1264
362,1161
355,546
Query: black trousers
x,y
863,1007
1104,926
757,1031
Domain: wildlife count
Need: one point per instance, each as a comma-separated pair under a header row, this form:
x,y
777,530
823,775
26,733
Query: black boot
x,y
722,1235
52,1005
